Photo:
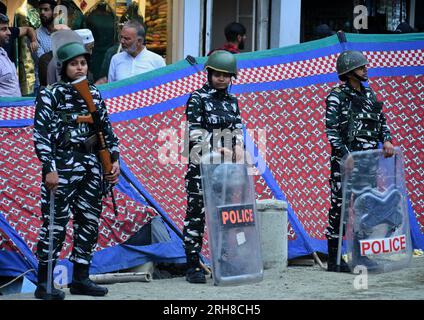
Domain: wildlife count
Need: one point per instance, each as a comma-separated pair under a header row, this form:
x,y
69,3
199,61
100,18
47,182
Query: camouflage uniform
x,y
59,146
354,122
209,112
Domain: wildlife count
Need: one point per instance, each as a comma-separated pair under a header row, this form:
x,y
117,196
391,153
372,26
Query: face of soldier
x,y
361,73
77,68
46,14
4,34
130,42
220,80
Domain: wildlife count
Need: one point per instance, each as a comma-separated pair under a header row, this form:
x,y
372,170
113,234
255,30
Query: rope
x,y
13,280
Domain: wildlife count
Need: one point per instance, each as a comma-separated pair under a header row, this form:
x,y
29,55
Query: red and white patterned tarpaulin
x,y
281,94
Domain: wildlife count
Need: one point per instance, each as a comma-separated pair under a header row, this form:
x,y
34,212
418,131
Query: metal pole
x,y
50,256
346,178
318,260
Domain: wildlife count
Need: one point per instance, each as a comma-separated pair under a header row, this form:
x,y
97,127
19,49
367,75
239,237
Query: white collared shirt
x,y
9,82
123,65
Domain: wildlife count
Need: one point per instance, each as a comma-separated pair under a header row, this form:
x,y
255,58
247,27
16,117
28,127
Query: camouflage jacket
x,y
209,112
354,120
55,126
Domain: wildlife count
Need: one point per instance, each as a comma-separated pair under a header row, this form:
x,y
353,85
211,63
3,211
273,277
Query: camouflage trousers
x,y
79,192
336,197
194,222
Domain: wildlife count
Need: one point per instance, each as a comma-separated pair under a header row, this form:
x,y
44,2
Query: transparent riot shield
x,y
375,211
62,37
232,221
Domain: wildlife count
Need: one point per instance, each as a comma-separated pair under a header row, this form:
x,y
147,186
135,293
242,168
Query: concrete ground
x,y
296,283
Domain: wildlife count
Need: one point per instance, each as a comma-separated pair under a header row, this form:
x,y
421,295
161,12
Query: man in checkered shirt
x,y
44,32
354,122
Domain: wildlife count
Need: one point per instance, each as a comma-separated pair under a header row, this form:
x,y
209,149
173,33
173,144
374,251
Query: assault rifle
x,y
81,85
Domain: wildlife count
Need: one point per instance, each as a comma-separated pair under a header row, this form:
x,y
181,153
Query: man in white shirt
x,y
134,58
9,83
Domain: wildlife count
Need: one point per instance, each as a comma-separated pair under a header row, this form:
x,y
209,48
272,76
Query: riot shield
x,y
375,211
232,221
62,37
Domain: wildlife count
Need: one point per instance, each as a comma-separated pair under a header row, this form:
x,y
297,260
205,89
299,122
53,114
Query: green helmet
x,y
224,61
70,50
350,60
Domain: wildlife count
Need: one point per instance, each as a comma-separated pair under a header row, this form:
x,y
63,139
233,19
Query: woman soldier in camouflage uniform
x,y
72,170
354,122
211,111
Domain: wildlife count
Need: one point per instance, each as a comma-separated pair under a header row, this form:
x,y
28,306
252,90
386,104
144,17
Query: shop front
x,y
177,28
320,19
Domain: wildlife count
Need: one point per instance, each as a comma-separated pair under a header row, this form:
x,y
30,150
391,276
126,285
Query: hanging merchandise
x,y
103,23
82,5
120,7
131,13
157,21
26,16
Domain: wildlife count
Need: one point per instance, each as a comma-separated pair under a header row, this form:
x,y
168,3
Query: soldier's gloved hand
x,y
52,180
113,177
388,149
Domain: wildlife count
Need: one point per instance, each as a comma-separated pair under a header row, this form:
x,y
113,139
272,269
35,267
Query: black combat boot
x,y
333,245
194,272
81,283
41,290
